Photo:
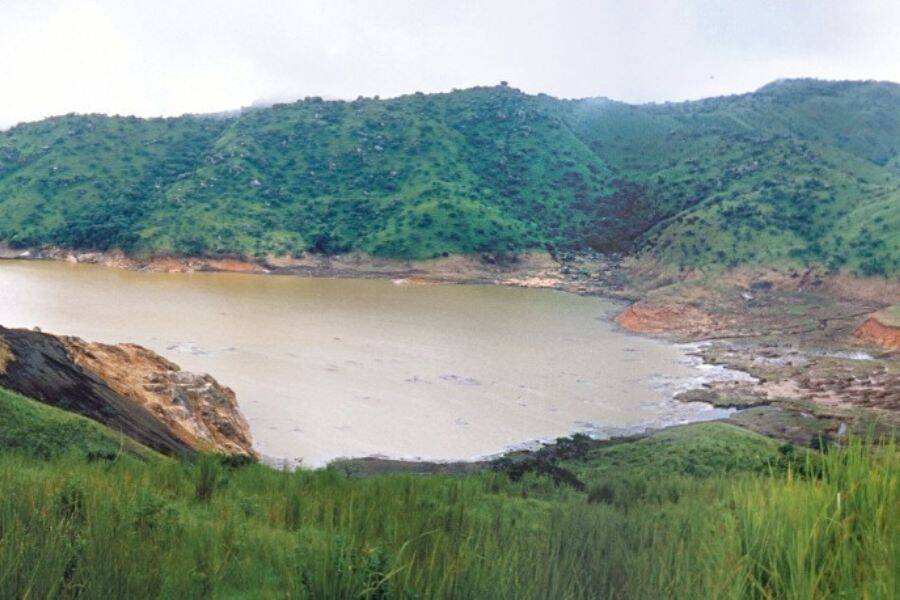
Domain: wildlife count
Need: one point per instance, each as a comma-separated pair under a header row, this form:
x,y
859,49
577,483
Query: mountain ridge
x,y
799,171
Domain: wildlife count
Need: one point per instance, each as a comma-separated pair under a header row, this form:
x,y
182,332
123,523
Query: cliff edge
x,y
127,388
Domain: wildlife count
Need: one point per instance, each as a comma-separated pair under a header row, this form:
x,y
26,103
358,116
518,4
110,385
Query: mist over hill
x,y
800,171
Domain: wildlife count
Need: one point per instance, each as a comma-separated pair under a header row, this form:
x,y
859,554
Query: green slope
x,y
35,429
698,519
796,172
703,510
799,171
699,450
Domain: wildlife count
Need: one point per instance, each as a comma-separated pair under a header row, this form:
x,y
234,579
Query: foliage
x,y
811,527
43,431
800,171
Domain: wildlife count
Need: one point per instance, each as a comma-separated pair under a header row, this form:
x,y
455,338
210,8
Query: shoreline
x,y
530,269
806,381
578,273
606,435
367,466
668,413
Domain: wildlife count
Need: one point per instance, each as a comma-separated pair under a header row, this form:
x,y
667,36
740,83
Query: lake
x,y
327,368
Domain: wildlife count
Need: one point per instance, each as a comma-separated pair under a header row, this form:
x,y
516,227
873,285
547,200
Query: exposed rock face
x,y
129,389
194,406
6,356
874,331
647,317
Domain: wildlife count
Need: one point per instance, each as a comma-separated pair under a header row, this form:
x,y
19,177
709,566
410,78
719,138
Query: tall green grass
x,y
132,529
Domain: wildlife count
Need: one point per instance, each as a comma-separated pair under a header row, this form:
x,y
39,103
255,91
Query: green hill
x,y
800,171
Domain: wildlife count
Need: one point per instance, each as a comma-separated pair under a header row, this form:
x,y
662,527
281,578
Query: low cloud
x,y
166,57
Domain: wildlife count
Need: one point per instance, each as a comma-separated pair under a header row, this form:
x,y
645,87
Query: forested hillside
x,y
800,171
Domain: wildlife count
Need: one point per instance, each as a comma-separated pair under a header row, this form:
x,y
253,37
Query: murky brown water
x,y
337,367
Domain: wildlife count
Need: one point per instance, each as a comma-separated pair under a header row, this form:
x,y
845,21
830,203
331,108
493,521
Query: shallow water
x,y
325,368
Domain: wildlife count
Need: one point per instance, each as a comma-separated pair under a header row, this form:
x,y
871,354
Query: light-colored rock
x,y
195,407
876,331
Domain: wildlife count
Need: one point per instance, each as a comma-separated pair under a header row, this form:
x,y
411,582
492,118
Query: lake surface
x,y
325,368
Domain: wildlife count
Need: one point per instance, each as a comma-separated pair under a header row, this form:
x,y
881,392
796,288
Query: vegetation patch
x,y
699,511
799,172
34,429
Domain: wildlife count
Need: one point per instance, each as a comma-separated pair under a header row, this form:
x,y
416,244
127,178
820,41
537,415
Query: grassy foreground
x,y
757,521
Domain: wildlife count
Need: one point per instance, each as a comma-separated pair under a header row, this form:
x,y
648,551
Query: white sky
x,y
165,57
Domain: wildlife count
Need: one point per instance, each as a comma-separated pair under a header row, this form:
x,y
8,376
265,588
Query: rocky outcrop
x,y
194,406
127,388
649,317
875,331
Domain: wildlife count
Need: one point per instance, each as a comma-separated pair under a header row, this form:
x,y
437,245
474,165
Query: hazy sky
x,y
164,57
